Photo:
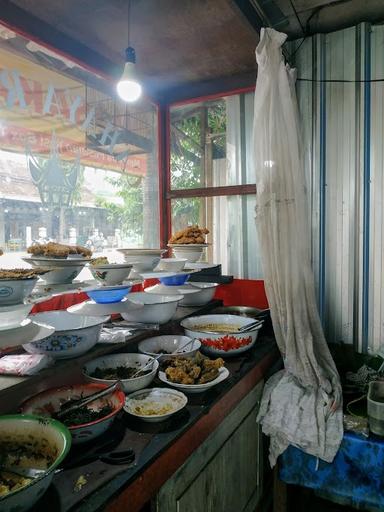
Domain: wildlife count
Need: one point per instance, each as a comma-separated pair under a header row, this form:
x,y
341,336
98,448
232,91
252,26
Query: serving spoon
x,y
73,406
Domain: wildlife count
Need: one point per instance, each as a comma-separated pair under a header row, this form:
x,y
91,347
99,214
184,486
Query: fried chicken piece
x,y
87,253
1,252
209,375
189,235
178,375
22,273
208,364
195,372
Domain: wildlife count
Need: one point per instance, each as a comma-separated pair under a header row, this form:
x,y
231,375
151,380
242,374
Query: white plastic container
x,y
375,407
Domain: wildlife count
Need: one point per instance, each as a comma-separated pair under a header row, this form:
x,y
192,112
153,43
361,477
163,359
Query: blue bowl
x,y
108,295
174,280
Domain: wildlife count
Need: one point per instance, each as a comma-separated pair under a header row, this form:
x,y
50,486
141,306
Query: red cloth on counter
x,y
67,300
243,292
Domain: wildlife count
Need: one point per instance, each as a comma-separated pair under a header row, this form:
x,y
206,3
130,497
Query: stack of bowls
x,y
142,260
191,252
157,308
74,334
61,270
110,274
15,327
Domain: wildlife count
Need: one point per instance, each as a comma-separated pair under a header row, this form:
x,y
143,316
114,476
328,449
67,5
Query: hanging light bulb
x,y
128,87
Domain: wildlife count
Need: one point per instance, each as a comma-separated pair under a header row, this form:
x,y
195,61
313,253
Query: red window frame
x,y
169,194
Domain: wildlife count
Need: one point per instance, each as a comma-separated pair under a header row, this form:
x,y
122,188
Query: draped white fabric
x,y
301,405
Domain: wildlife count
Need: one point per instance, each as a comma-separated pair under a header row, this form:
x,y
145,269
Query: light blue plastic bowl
x,y
174,280
108,295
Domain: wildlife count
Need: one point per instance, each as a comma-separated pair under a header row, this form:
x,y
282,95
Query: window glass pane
x,y
76,165
211,143
232,238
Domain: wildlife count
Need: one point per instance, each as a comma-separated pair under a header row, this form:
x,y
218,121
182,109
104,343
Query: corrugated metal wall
x,y
343,136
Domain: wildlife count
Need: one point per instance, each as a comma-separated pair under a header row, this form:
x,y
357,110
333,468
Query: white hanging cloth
x,y
301,405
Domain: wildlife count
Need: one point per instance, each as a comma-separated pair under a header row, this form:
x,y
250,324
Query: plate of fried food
x,y
193,375
56,250
190,235
189,243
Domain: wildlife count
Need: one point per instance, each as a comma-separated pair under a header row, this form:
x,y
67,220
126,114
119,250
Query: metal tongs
x,y
87,400
251,326
150,363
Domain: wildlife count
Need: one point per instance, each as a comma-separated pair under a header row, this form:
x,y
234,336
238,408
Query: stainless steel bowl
x,y
241,311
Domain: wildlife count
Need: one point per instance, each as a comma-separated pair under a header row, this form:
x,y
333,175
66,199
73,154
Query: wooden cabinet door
x,y
224,474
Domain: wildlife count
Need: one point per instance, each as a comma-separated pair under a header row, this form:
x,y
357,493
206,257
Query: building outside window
x,y
76,165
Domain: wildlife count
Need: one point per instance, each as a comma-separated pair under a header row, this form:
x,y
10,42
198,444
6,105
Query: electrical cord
x,y
297,17
353,402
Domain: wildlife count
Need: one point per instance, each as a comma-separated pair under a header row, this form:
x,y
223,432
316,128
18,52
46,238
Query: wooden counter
x,y
177,465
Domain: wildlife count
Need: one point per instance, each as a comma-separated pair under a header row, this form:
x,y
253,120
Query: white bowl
x,y
163,289
48,435
171,264
74,334
12,316
14,291
50,401
92,308
214,343
191,255
142,259
158,309
129,360
61,271
169,343
205,295
196,388
27,332
192,252
158,397
111,274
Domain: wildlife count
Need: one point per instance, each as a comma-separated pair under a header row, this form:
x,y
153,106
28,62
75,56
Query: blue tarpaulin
x,y
356,476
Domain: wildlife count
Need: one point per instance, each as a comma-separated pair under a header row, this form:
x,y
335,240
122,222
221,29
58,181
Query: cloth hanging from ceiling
x,y
301,404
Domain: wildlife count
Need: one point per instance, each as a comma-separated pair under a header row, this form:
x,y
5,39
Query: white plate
x,y
197,388
90,307
159,396
26,333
